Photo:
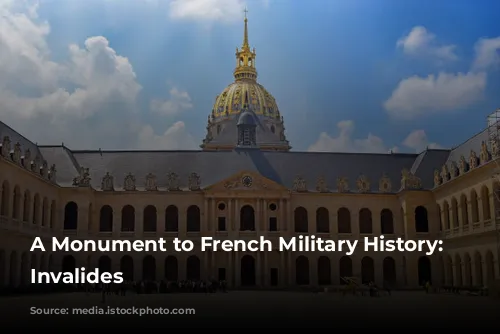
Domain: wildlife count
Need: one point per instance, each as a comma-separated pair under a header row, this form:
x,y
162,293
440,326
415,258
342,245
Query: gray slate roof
x,y
215,166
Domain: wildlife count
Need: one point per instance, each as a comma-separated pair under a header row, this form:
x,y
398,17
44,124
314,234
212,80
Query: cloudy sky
x,y
357,75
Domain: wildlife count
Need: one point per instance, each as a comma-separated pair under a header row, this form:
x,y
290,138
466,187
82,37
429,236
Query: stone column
x,y
117,222
204,222
160,220
281,216
258,215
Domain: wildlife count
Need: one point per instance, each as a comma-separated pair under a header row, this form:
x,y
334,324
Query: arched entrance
x,y
149,268
104,264
68,264
193,268
424,270
171,269
302,270
127,268
324,271
247,270
367,270
389,271
345,268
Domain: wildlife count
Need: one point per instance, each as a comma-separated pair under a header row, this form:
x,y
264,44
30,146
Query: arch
x,y
302,270
149,219
171,268
478,269
485,202
247,218
344,220
193,217
454,212
25,269
474,206
171,219
70,216
128,218
367,270
300,220
467,270
106,219
104,264
490,269
449,270
68,264
322,220
345,268
324,271
45,211
464,210
5,203
446,215
3,266
193,268
247,271
149,268
458,278
13,269
386,222
365,221
26,206
389,271
16,203
424,270
36,209
127,267
421,220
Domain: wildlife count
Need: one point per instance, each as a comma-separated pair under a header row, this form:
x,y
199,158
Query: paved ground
x,y
251,309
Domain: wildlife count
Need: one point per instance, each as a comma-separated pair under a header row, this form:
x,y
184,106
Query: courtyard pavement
x,y
252,309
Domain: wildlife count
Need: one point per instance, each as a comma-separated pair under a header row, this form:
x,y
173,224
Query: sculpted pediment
x,y
246,181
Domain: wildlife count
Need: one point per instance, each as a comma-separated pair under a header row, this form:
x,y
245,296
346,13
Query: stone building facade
x,y
245,183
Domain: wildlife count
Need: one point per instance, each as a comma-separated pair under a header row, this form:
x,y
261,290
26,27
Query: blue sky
x,y
357,75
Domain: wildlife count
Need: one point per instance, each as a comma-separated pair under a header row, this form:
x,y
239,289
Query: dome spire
x,y
245,58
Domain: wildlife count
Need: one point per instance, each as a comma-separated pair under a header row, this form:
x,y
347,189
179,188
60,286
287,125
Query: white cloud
x,y
418,141
417,96
344,142
175,138
487,53
207,10
420,42
88,101
178,102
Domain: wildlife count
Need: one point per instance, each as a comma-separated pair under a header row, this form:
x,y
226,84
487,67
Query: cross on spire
x,y
245,11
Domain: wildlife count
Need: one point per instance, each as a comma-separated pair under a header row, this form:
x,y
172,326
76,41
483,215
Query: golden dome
x,y
232,99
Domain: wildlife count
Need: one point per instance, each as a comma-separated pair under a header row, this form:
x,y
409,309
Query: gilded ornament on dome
x,y
484,155
437,178
385,185
172,182
194,182
299,184
445,173
107,182
321,185
363,184
462,165
129,182
472,159
151,182
342,185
